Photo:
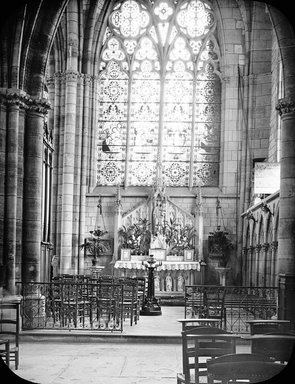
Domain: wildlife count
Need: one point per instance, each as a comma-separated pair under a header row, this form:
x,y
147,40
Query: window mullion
x,y
128,133
191,176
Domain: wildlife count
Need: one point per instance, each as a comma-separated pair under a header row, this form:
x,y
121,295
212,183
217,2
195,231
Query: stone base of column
x,y
34,311
286,310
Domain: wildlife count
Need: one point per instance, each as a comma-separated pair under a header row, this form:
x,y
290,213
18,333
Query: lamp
x,y
250,216
265,208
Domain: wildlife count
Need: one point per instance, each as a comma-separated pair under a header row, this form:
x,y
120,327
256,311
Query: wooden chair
x,y
188,324
6,351
130,301
214,305
241,368
142,288
9,329
200,344
276,347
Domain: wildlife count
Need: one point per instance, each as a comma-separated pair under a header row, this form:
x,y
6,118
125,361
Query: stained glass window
x,y
159,95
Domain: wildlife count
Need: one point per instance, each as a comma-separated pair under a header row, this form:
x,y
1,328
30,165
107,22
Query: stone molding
x,y
70,75
258,248
285,105
18,97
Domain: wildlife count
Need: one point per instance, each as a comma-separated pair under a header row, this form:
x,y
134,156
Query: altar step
x,y
171,299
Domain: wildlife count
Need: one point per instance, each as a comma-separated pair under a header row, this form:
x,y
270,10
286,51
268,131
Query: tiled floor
x,y
146,353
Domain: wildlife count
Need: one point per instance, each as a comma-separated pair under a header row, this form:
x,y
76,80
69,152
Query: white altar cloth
x,y
166,265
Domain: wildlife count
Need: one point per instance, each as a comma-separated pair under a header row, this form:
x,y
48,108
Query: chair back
x,y
203,343
214,304
10,328
10,321
278,349
240,367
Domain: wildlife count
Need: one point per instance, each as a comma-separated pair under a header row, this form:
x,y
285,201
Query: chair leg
x,y
16,360
8,354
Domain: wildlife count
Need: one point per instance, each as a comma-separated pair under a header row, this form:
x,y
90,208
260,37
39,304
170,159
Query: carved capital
x,y
14,97
265,247
39,106
50,81
88,79
274,245
286,105
70,75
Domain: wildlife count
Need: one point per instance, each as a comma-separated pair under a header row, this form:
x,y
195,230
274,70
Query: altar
x,y
171,277
158,226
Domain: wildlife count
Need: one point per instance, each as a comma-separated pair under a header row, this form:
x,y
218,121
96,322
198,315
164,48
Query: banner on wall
x,y
266,178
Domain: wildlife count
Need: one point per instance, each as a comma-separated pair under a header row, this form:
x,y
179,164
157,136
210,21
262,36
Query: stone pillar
x,y
68,169
286,310
34,302
273,263
245,266
252,260
87,81
32,208
117,224
264,265
3,119
11,192
20,193
199,225
257,267
286,228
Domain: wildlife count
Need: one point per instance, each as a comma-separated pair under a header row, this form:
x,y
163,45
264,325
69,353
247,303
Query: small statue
x,y
157,242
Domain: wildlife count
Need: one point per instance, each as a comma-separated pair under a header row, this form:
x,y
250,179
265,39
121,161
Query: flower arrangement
x,y
136,237
178,238
95,245
220,244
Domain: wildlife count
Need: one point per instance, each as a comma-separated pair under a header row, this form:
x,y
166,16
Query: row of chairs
x,y
134,291
211,351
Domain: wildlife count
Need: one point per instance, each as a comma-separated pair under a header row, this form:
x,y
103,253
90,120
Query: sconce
x,y
265,208
250,216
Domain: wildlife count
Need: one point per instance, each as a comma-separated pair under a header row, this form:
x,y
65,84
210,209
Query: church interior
x,y
133,128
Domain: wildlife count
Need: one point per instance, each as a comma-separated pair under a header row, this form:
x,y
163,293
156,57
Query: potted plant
x,y
136,237
178,238
219,245
96,245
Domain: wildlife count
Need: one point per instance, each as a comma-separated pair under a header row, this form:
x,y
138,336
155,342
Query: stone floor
x,y
146,353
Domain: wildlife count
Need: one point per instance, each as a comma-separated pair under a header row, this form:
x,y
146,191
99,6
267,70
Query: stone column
x,y
68,169
251,265
34,302
84,153
32,208
246,266
11,196
11,190
267,269
257,278
286,231
117,224
273,264
199,225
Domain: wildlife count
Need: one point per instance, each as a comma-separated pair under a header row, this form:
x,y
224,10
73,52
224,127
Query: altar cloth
x,y
166,265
